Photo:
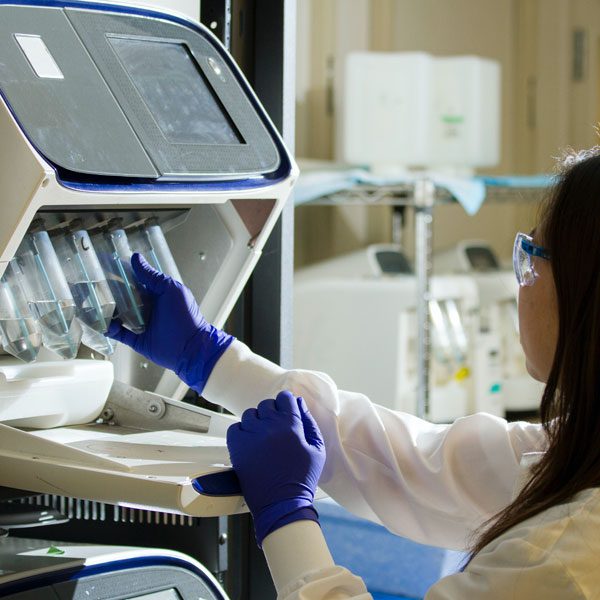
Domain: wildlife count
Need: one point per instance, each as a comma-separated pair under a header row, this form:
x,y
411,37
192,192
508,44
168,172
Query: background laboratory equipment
x,y
93,298
21,335
499,366
450,344
424,111
149,240
333,298
48,292
115,253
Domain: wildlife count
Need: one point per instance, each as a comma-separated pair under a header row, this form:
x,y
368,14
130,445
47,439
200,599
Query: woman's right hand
x,y
177,336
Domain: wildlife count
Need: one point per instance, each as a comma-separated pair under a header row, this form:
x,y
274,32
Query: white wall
x,y
543,108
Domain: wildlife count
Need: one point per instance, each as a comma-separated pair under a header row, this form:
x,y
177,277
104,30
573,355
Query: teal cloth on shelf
x,y
519,181
468,191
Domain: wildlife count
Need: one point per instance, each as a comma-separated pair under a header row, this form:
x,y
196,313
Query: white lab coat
x,y
435,484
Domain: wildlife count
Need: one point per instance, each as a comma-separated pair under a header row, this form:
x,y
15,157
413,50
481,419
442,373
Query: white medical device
x,y
503,384
410,109
121,128
41,570
355,319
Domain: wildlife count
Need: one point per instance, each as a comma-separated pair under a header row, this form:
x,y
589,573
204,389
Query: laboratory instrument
x,y
364,305
410,109
32,569
115,120
502,382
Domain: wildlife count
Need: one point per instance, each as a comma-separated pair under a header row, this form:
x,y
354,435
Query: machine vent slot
x,y
87,510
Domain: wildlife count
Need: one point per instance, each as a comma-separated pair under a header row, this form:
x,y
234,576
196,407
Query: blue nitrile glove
x,y
177,336
278,454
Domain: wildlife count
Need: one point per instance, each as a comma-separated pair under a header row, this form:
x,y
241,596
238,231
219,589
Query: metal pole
x,y
424,200
216,15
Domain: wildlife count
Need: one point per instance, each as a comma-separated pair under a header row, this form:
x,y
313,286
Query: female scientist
x,y
524,498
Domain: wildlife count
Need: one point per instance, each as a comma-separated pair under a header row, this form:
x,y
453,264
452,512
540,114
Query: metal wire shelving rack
x,y
422,197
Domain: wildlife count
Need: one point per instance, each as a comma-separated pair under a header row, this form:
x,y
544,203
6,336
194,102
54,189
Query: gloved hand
x,y
177,336
278,454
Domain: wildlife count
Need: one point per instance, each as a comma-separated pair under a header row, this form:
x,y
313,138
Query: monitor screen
x,y
482,259
169,594
176,92
392,261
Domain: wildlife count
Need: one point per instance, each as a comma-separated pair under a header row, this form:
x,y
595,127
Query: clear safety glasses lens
x,y
522,262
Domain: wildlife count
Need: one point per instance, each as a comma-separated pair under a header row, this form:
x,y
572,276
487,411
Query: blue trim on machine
x,y
75,573
115,184
90,183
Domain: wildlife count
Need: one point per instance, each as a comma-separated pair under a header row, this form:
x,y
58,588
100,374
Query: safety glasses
x,y
523,252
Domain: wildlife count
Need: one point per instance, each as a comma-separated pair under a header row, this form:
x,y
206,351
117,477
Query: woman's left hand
x,y
278,454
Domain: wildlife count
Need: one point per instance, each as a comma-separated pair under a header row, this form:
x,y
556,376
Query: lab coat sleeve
x,y
432,483
513,569
302,567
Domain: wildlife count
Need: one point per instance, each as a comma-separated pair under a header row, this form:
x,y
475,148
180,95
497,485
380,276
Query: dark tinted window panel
x,y
482,259
393,262
177,94
179,152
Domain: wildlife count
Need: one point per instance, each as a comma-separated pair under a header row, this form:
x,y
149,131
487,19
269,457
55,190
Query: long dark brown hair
x,y
569,227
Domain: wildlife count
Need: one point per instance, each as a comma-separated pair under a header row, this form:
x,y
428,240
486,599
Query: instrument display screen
x,y
176,92
482,259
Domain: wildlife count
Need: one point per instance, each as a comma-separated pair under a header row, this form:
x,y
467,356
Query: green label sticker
x,y
452,119
55,551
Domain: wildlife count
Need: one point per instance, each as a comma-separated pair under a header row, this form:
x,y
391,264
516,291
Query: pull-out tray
x,y
163,470
68,428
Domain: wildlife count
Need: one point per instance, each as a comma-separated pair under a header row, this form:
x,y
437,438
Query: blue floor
x,y
392,567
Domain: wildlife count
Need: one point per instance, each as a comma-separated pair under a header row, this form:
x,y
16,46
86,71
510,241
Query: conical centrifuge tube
x,y
48,293
19,332
149,240
94,301
114,254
